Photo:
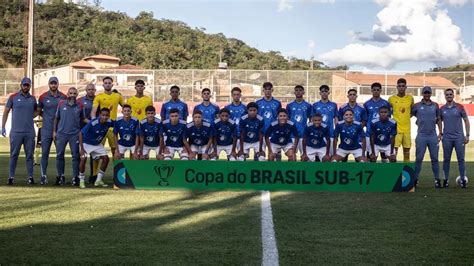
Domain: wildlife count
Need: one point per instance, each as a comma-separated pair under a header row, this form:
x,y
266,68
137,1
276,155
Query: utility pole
x,y
29,59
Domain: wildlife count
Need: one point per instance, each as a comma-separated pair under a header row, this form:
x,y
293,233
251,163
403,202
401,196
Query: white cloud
x,y
311,45
286,5
417,30
458,3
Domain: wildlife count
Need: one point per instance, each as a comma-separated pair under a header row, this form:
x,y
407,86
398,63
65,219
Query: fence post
x,y
192,84
307,85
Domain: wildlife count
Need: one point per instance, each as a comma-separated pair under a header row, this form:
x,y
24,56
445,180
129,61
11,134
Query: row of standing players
x,y
236,129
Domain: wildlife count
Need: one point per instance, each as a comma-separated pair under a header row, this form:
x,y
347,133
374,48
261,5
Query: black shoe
x,y
62,181
92,179
417,183
438,184
30,181
463,184
10,181
43,181
445,183
75,181
58,181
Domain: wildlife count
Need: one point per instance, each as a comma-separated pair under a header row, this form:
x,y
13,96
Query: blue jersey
x,y
372,109
199,135
328,111
299,113
236,113
181,106
281,134
209,113
150,132
251,128
94,132
316,136
360,115
383,131
350,135
225,132
127,131
173,134
268,110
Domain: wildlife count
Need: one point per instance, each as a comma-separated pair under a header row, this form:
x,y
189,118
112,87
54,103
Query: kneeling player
x,y
90,138
199,135
251,136
382,137
351,132
150,135
278,137
173,140
316,140
127,128
226,136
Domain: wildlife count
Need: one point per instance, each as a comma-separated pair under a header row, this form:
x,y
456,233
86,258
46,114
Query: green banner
x,y
250,175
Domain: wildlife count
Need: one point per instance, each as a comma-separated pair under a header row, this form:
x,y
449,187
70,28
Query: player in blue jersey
x,y
225,136
251,134
279,136
372,107
268,108
90,142
199,135
351,133
150,135
299,111
174,103
382,136
328,111
209,110
127,128
360,115
316,140
173,137
237,109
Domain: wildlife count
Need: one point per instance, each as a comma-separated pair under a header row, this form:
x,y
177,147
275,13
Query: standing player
x,y
427,118
452,115
47,106
140,101
90,142
328,111
372,107
209,110
316,140
23,106
358,110
351,133
279,137
67,124
87,101
299,111
199,135
150,135
382,136
251,135
174,103
401,108
173,134
237,109
127,127
268,109
225,139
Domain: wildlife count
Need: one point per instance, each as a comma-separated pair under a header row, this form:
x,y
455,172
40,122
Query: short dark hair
x,y
174,110
224,110
449,89
376,84
401,80
348,110
299,87
105,109
324,87
351,90
150,108
282,110
252,105
206,89
384,108
267,85
318,115
174,87
126,106
140,81
108,77
197,112
236,89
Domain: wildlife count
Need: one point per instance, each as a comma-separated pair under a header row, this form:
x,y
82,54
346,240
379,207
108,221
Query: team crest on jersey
x,y
222,137
281,139
314,141
127,137
381,137
298,118
173,138
267,114
150,138
198,142
348,141
251,135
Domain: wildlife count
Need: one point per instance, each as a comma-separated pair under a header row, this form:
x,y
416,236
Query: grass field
x,y
57,225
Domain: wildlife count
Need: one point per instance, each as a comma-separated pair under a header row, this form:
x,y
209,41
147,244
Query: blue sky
x,y
327,28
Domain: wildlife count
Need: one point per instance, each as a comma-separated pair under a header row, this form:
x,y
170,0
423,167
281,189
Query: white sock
x,y
81,176
100,175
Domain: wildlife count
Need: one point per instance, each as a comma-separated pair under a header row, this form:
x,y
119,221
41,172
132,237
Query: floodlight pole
x,y
29,60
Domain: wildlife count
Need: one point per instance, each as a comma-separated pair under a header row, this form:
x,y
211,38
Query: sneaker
x,y
30,181
100,184
36,164
43,180
62,180
58,181
82,184
92,179
75,181
463,184
10,181
445,183
438,184
417,183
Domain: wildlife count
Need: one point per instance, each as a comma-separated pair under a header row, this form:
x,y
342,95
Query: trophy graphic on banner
x,y
164,172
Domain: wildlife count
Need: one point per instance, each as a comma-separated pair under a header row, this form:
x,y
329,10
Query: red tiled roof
x,y
81,64
103,57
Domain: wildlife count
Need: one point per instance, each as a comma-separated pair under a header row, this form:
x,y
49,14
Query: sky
x,y
396,35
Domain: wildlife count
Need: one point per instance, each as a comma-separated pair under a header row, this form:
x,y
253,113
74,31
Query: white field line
x,y
269,246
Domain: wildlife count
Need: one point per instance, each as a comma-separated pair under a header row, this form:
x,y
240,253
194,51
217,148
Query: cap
x,y
426,89
26,80
53,79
